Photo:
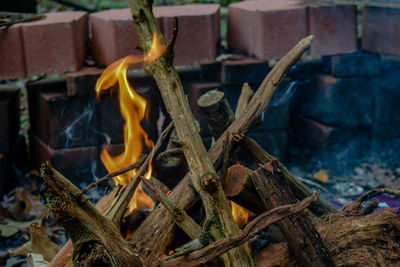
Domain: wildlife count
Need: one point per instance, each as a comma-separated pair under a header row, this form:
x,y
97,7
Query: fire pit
x,y
162,198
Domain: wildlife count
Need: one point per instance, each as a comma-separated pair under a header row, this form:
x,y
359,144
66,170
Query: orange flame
x,y
156,50
240,214
133,107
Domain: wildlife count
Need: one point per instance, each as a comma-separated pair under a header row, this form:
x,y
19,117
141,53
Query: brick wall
x,y
348,98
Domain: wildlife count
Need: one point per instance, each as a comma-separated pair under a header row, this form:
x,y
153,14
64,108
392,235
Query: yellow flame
x,y
133,107
156,50
240,214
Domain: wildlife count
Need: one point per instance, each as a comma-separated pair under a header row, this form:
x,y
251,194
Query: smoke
x,y
73,132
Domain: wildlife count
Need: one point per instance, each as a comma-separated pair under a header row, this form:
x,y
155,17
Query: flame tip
x,y
133,110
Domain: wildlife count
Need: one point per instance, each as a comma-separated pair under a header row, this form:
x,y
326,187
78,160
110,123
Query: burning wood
x,y
271,191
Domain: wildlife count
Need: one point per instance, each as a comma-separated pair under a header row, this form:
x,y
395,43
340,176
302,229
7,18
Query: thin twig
x,y
111,175
221,246
118,209
354,208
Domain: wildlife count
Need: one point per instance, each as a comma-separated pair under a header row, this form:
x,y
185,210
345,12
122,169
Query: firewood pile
x,y
315,233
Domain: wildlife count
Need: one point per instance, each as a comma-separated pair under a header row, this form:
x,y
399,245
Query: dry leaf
x,y
7,230
322,176
36,260
40,243
33,205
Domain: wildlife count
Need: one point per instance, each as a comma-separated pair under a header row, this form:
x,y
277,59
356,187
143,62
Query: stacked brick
x,y
114,35
54,44
268,29
340,102
71,130
347,110
228,75
59,42
263,29
9,121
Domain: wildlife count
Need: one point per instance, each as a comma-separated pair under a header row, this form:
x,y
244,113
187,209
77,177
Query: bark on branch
x,y
204,178
215,249
96,239
183,194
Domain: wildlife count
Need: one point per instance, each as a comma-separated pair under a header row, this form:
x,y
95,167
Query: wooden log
x,y
204,178
244,99
239,188
303,240
276,255
260,156
370,240
97,241
220,246
64,256
216,112
157,230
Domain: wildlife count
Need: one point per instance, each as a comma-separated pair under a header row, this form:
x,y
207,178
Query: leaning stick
x,y
183,194
204,178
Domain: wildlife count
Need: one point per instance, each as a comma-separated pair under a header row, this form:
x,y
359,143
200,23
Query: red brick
x,y
240,69
198,33
83,82
11,56
266,29
79,164
311,133
55,44
9,117
62,121
114,35
334,28
381,27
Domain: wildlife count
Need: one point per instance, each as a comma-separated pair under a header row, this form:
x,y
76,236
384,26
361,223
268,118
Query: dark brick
x,y
386,143
240,69
211,71
327,147
62,121
381,28
83,82
304,70
390,63
79,164
12,54
111,122
387,108
337,102
5,175
9,117
273,141
277,114
356,64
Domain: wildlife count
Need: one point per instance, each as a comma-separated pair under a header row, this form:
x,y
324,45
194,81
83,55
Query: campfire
x,y
240,188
